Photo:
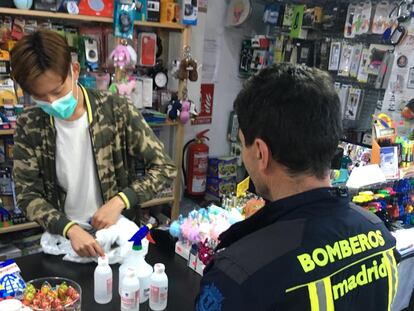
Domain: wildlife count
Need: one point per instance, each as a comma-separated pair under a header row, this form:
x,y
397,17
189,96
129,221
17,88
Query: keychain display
x,y
124,16
188,67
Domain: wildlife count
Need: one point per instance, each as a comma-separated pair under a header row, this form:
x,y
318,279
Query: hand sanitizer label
x,y
129,300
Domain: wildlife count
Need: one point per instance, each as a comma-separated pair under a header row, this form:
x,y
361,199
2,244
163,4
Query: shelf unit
x,y
84,18
179,131
6,132
31,224
25,226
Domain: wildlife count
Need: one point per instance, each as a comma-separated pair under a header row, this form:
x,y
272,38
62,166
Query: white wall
x,y
228,84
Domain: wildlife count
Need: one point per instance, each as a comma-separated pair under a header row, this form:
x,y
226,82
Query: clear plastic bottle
x,y
130,291
136,260
103,281
158,288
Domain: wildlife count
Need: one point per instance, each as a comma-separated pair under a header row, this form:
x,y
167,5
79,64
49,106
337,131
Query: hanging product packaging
x,y
189,12
124,16
349,29
363,18
382,19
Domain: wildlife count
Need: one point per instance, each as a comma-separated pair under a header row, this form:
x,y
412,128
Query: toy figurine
x,y
185,111
174,108
123,55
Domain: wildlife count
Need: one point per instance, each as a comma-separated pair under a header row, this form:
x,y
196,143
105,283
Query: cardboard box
x,y
222,167
200,267
221,186
182,249
192,260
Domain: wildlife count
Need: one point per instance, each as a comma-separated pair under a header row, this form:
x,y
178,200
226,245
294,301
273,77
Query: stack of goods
x,y
390,204
198,234
221,176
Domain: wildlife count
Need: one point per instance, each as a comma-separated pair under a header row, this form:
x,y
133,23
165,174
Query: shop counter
x,y
183,282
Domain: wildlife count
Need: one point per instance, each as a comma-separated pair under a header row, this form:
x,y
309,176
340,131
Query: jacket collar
x,y
276,210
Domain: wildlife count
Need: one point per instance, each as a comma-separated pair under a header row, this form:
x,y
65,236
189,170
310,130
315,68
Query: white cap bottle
x,y
130,291
158,288
103,281
136,260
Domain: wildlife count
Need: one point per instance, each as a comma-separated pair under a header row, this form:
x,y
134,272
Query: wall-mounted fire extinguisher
x,y
195,175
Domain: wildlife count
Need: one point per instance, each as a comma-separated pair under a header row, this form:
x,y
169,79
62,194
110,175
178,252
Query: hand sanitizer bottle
x,y
130,291
158,288
103,281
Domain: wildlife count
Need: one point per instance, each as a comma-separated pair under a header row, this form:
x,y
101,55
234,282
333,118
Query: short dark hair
x,y
295,110
36,53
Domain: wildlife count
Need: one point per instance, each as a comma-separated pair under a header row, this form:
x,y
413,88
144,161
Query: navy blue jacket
x,y
312,251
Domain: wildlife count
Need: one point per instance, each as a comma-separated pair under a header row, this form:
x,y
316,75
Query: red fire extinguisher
x,y
197,163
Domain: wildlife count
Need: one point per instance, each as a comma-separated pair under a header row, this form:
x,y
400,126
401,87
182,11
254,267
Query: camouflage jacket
x,y
119,136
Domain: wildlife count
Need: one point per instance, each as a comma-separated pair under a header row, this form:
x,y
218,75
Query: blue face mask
x,y
62,108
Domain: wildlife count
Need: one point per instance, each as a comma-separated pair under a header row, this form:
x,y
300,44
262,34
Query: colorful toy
x,y
123,56
185,111
174,108
205,252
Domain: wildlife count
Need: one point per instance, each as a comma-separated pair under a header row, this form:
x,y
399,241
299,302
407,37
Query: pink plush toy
x,y
121,56
185,111
125,89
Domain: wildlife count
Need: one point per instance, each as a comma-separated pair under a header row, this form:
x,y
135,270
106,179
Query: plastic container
x,y
11,305
103,281
130,291
136,260
23,4
75,305
158,288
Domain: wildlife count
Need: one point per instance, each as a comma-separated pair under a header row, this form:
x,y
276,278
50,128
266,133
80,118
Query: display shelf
x,y
6,132
158,201
84,18
13,228
162,124
31,225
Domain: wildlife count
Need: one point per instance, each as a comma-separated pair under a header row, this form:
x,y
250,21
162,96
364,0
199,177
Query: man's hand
x,y
83,243
108,214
